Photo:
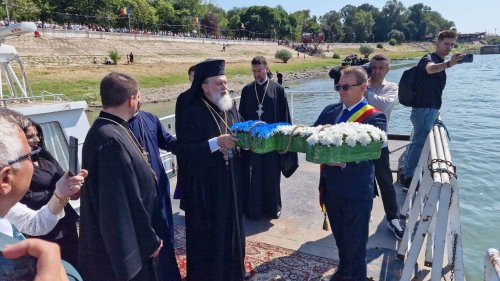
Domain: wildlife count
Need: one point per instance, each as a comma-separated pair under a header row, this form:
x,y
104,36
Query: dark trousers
x,y
383,174
349,220
262,187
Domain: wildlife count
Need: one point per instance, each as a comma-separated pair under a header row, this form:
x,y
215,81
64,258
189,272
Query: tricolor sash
x,y
359,113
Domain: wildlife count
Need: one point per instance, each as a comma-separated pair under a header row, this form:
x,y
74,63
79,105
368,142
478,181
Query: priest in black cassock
x,y
215,237
152,136
120,214
264,100
180,106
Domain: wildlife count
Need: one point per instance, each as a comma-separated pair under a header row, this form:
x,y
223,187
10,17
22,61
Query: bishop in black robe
x,y
120,209
152,136
215,237
262,172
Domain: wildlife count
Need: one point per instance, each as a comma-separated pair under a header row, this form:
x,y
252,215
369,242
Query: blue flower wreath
x,y
264,131
243,126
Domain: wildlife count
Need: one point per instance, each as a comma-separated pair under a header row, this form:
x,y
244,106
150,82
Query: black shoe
x,y
405,183
396,228
277,216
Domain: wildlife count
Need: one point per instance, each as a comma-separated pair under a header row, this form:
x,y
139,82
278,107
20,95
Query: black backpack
x,y
407,91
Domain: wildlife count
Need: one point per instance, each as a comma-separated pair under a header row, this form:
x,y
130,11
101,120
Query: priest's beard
x,y
223,101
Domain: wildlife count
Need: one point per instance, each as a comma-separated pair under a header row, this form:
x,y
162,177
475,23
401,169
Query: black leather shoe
x,y
276,216
405,183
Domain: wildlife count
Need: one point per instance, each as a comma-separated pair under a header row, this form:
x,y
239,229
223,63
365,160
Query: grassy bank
x,y
81,82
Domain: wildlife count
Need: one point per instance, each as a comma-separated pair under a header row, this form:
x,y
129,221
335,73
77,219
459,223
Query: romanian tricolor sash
x,y
359,113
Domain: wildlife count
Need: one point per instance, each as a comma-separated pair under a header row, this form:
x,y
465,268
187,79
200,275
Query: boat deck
x,y
300,227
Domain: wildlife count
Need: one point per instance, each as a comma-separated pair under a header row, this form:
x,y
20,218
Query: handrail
x,y
492,265
42,97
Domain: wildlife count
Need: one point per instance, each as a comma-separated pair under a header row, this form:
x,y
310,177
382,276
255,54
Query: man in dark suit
x,y
349,187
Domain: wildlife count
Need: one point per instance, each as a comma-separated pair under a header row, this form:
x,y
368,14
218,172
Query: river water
x,y
470,102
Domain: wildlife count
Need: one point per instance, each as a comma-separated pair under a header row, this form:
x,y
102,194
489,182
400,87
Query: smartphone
x,y
467,58
73,156
20,269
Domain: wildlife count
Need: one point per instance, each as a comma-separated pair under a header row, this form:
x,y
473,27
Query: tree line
x,y
364,23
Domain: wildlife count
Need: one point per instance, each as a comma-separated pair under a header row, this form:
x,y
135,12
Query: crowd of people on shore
x,y
125,221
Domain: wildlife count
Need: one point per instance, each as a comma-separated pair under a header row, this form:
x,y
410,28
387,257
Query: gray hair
x,y
23,121
11,146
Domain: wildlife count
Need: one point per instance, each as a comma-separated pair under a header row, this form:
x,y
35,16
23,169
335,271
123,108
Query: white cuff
x,y
212,143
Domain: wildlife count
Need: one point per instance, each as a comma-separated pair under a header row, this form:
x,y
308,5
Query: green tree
x,y
284,28
258,20
142,14
396,35
210,24
362,26
417,24
283,55
331,26
303,23
24,10
392,16
348,14
114,56
165,12
366,49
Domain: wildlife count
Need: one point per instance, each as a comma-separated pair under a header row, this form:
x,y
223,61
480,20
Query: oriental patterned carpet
x,y
267,262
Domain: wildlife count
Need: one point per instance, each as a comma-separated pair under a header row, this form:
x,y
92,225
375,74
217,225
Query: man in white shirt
x,y
382,94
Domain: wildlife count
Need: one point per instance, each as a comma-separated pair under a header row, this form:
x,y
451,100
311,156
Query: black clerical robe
x,y
120,208
215,238
262,185
181,105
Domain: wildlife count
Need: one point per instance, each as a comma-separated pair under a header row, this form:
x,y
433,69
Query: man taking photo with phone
x,y
429,98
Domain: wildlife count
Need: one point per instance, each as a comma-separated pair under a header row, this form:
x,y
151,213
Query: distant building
x,y
490,49
469,37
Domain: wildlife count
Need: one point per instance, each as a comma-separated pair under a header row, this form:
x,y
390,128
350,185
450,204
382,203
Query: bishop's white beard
x,y
223,102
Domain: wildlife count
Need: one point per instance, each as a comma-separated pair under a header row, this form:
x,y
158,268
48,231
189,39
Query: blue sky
x,y
478,16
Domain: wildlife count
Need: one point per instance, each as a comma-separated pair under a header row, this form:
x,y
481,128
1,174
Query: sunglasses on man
x,y
34,152
344,87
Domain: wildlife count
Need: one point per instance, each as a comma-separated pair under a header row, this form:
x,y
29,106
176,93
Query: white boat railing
x,y
492,265
432,209
168,159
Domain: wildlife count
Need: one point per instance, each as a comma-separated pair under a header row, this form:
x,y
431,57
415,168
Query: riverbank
x,y
63,65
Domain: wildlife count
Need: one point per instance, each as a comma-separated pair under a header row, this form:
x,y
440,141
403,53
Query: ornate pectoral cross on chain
x,y
260,111
260,103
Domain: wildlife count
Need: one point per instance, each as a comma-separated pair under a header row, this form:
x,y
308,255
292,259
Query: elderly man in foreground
x,y
16,171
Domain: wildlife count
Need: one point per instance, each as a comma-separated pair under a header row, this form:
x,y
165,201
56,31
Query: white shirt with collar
x,y
383,97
